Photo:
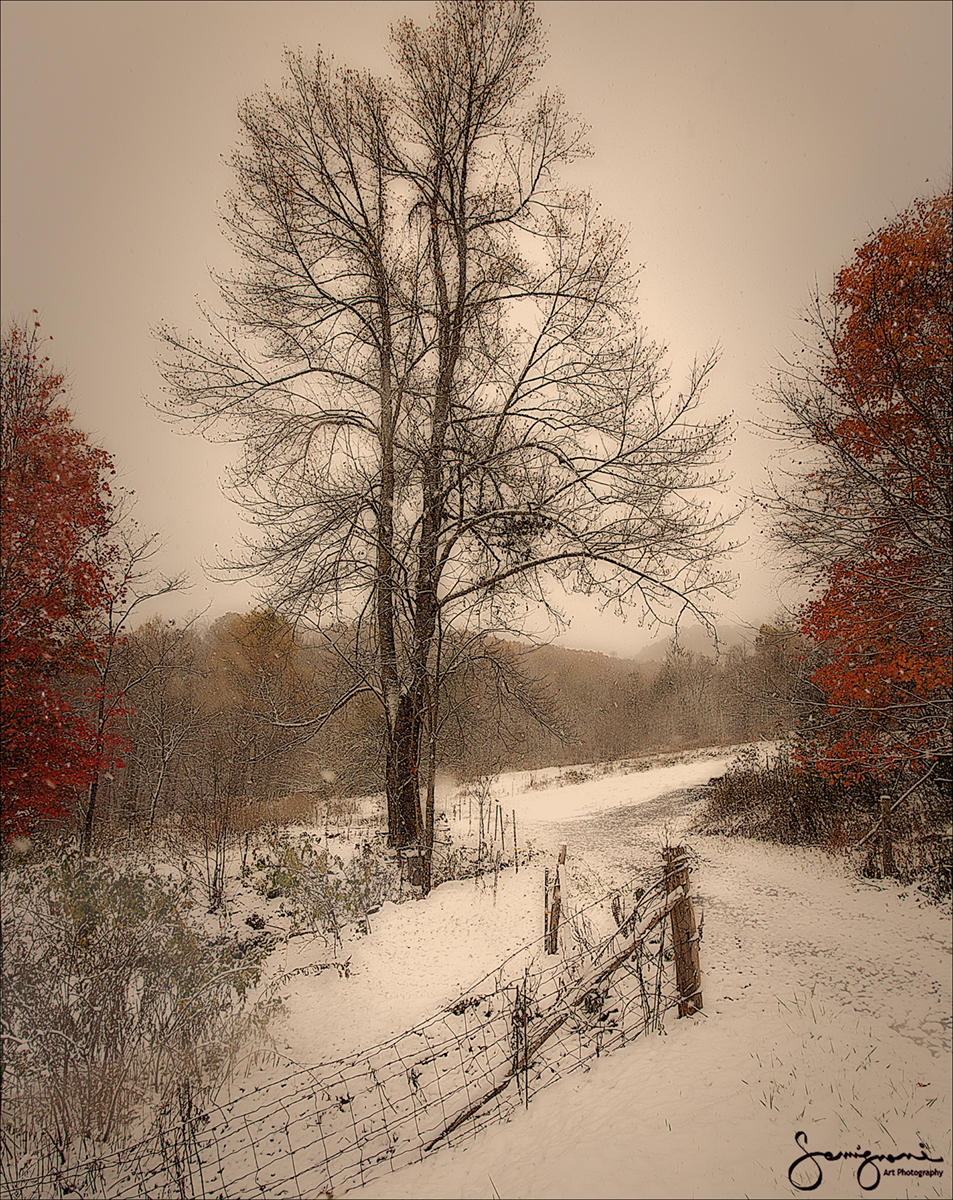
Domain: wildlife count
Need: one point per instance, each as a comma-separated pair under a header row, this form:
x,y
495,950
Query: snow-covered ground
x,y
827,1014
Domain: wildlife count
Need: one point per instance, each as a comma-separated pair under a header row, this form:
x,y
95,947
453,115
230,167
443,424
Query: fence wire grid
x,y
324,1129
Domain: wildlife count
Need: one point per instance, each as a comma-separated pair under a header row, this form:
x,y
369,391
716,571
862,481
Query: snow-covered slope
x,y
827,1011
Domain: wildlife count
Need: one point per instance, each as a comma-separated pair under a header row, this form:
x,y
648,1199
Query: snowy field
x,y
827,1014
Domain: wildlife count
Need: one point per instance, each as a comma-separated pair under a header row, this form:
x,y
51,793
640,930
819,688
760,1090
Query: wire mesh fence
x,y
324,1129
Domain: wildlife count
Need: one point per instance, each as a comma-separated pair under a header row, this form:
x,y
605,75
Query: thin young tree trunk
x,y
157,790
94,782
90,811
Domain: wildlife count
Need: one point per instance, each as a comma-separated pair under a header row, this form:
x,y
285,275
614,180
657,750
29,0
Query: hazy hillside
x,y
696,640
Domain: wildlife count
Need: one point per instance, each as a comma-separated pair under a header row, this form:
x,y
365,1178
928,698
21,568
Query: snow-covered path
x,y
827,1010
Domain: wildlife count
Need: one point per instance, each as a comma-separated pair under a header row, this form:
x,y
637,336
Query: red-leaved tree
x,y
869,513
55,569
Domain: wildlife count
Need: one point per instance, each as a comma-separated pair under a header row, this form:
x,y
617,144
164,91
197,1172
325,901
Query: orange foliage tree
x,y
869,513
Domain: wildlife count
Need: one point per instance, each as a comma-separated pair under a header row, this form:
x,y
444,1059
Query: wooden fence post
x,y
583,992
684,933
552,944
525,1035
516,849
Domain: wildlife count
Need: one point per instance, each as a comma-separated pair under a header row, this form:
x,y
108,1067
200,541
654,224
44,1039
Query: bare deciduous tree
x,y
159,659
432,358
129,554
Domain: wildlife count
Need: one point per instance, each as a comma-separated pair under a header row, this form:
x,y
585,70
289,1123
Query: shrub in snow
x,y
783,801
112,998
318,891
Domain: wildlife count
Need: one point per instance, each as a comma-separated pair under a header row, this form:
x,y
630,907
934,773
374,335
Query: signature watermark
x,y
806,1172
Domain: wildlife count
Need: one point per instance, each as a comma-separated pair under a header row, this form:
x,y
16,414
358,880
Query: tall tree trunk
x,y
402,772
429,810
433,697
399,748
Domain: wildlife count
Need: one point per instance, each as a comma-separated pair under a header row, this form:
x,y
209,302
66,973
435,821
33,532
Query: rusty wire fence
x,y
324,1129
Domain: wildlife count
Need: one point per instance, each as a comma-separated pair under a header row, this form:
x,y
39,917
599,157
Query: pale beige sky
x,y
749,147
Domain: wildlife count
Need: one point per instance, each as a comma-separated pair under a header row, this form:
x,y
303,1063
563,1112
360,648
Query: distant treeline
x,y
245,720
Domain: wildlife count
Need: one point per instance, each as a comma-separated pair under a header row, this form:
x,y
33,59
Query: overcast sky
x,y
749,148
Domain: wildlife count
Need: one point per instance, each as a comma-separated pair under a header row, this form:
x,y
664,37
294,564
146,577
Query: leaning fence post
x,y
516,849
684,933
